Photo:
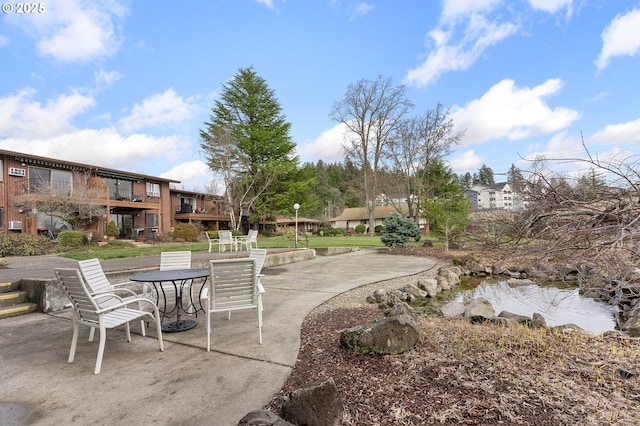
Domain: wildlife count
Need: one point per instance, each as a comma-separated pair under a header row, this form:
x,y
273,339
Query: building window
x,y
119,189
152,220
1,217
153,189
1,174
50,182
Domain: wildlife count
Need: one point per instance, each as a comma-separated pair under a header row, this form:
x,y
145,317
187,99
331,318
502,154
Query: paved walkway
x,y
185,384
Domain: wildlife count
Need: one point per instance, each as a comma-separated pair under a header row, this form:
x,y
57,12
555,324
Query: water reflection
x,y
557,306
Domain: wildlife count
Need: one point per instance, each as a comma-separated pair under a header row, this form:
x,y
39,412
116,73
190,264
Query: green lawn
x,y
265,242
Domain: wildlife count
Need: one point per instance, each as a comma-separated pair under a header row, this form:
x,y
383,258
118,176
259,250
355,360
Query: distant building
x,y
499,196
354,216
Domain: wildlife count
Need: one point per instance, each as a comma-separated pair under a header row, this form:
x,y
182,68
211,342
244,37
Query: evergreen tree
x,y
247,141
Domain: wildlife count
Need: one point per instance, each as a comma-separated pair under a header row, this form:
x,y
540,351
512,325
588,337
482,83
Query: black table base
x,y
176,326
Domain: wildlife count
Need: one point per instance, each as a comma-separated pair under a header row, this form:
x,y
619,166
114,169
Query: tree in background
x,y
516,178
398,231
417,144
448,216
247,141
370,111
484,176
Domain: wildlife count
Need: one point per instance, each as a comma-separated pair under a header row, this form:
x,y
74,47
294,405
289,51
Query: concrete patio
x,y
185,384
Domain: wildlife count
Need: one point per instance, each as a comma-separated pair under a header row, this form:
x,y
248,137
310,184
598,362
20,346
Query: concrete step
x,y
18,309
8,286
12,298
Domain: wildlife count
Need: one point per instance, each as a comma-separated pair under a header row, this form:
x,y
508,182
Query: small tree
x,y
112,229
448,216
398,230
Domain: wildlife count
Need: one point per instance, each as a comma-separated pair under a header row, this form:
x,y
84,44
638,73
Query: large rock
x,y
479,310
416,292
453,309
391,335
317,404
429,285
263,418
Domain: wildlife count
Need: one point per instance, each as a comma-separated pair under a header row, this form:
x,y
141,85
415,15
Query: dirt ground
x,y
467,374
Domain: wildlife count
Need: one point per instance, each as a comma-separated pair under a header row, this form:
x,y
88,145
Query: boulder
x,y
479,310
416,292
453,309
317,404
389,335
443,283
263,418
538,321
429,285
517,318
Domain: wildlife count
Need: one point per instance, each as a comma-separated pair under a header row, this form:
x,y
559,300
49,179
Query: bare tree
x,y
416,143
370,111
594,237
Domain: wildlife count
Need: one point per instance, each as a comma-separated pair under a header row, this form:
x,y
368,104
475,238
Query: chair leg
x,y
74,342
259,321
103,339
159,329
208,330
92,333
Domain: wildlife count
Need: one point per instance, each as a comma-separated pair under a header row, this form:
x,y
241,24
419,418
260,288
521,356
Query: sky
x,y
128,84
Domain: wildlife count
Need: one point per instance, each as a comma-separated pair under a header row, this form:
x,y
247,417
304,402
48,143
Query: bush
x,y
331,232
213,235
361,229
399,230
379,229
186,232
112,229
71,239
13,244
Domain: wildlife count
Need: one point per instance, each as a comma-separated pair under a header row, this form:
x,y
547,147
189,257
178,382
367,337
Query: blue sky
x,y
128,84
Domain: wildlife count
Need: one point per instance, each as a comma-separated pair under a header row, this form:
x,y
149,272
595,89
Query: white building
x,y
497,196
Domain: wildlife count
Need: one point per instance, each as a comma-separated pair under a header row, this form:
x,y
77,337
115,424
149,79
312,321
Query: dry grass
x,y
467,374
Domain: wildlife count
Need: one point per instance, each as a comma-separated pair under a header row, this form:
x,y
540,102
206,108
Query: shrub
x,y
213,234
379,229
71,239
331,232
361,229
112,229
399,230
186,232
13,244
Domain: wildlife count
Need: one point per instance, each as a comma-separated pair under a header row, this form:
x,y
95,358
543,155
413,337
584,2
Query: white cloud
x,y
455,8
465,161
76,30
104,78
193,175
103,147
620,38
159,109
478,36
551,6
327,146
622,133
512,112
23,117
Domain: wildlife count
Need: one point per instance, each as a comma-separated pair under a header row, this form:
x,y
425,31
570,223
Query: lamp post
x,y
296,206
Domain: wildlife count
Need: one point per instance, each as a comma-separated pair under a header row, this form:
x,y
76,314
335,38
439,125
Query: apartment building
x,y
34,190
499,196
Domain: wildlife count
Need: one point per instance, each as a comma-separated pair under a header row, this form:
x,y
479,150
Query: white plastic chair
x,y
259,255
100,287
170,260
226,239
233,286
86,311
211,241
252,238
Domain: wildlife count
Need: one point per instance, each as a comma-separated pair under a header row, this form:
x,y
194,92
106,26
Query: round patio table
x,y
178,277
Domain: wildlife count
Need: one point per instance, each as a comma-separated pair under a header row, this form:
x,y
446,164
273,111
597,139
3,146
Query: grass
x,y
117,251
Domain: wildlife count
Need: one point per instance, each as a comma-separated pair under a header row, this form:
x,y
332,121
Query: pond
x,y
558,306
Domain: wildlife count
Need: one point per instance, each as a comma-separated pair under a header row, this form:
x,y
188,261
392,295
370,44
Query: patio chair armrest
x,y
204,295
124,304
